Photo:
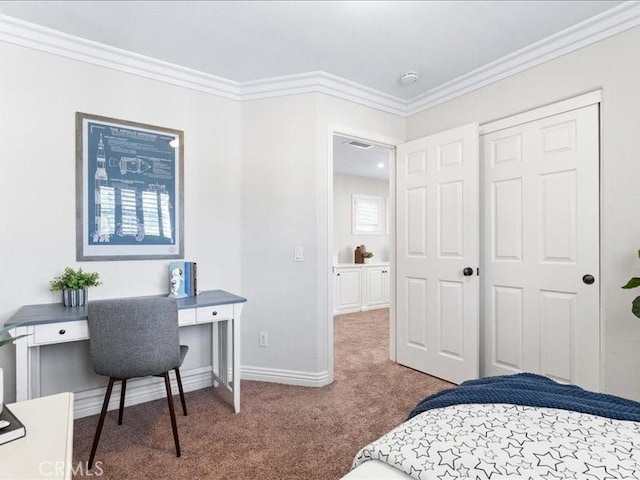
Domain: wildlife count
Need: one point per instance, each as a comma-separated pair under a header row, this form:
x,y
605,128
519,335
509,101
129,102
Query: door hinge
x,y
478,271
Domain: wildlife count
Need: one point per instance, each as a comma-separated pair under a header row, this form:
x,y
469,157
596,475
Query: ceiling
x,y
350,160
367,42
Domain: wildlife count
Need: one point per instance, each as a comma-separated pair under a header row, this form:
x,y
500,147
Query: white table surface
x,y
45,452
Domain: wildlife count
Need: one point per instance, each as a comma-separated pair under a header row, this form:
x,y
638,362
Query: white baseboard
x,y
288,377
139,390
374,307
364,308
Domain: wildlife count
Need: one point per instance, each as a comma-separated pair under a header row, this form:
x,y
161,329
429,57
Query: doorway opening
x,y
361,219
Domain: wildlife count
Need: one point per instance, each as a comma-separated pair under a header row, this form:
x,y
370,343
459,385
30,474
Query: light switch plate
x,y
298,254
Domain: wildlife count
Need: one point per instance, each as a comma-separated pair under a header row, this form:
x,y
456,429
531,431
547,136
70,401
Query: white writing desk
x,y
45,451
52,323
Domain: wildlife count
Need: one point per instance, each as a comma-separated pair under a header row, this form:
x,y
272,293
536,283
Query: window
x,y
368,215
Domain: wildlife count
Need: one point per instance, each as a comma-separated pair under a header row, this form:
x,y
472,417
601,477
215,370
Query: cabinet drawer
x,y
186,316
214,313
60,332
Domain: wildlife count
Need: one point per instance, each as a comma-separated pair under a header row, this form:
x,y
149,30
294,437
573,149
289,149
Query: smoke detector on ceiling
x,y
408,78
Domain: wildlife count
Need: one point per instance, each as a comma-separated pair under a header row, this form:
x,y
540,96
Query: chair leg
x,y
122,390
103,414
179,380
172,412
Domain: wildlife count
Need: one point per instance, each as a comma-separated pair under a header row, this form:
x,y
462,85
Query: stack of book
x,y
10,426
183,279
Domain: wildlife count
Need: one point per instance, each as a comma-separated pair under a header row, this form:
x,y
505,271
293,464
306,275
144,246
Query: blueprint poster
x,y
131,189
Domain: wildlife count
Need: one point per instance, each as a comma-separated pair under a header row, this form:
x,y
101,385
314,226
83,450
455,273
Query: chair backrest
x,y
133,337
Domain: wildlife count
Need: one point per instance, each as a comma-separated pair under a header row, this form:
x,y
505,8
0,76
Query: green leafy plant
x,y
75,280
633,283
5,339
367,255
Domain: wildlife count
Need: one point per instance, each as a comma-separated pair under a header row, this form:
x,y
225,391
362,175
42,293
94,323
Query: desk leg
x,y
27,367
215,352
235,333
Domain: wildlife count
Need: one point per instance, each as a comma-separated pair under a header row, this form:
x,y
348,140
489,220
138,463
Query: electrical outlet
x,y
263,339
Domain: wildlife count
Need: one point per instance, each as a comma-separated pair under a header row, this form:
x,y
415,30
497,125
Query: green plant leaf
x,y
633,283
636,307
4,330
7,341
75,279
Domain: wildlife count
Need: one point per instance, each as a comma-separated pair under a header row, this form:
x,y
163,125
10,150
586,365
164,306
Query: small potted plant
x,y
367,257
74,285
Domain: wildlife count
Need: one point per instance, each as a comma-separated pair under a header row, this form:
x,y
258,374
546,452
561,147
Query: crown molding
x,y
25,34
611,22
327,83
607,24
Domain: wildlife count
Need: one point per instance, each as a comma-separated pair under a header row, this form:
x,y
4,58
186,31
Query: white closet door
x,y
437,238
540,238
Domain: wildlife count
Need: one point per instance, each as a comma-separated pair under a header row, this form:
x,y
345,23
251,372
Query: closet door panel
x,y
540,237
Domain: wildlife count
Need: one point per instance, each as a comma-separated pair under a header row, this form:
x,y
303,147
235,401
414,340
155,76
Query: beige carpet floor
x,y
282,432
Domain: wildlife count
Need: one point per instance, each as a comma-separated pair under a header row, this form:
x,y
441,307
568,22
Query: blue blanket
x,y
534,391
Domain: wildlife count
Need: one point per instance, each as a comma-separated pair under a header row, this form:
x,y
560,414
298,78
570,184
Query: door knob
x,y
467,272
588,279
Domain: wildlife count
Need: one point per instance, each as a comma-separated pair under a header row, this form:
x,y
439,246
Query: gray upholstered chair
x,y
135,337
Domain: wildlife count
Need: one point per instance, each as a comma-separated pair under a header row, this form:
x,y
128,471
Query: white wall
x,y
614,66
39,95
286,145
344,241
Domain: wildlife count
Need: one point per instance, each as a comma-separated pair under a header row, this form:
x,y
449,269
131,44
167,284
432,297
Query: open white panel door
x,y
437,254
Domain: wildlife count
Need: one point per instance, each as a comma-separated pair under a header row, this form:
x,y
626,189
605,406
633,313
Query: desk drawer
x,y
186,316
60,332
214,313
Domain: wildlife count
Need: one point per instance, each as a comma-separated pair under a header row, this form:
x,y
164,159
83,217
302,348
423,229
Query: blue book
x,y
187,279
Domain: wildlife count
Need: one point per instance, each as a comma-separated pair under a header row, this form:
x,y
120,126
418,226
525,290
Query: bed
x,y
515,426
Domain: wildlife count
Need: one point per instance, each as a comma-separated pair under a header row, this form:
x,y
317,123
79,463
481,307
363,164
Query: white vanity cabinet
x,y
375,283
348,289
361,287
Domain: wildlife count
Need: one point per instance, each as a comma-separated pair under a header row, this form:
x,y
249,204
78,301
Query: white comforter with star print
x,y
499,441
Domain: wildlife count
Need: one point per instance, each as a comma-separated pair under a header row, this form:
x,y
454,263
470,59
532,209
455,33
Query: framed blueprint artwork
x,y
129,190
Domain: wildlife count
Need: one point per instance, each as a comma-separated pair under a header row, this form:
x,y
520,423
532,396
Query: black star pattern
x,y
465,448
463,471
497,441
414,471
520,437
551,475
598,471
547,460
510,469
487,467
625,472
563,451
447,476
568,474
621,453
421,450
447,457
513,450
